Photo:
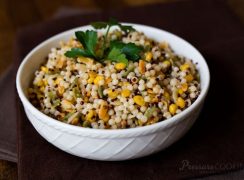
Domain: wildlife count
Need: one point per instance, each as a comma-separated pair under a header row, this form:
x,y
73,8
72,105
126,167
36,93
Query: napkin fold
x,y
215,144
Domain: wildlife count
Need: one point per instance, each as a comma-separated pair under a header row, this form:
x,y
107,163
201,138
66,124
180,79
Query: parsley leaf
x,y
131,50
88,39
126,28
76,52
99,25
110,23
115,55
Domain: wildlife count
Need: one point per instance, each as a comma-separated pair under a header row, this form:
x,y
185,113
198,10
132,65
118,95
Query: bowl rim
x,y
71,129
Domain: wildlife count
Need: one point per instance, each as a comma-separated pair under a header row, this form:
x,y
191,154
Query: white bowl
x,y
112,145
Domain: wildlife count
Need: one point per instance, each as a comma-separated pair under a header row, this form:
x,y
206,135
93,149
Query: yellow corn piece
x,y
92,74
142,67
140,123
120,66
86,99
154,99
189,78
148,56
164,45
45,83
103,111
85,60
172,109
67,105
98,79
60,63
125,93
166,95
167,63
184,67
90,80
88,93
44,69
112,94
150,91
184,87
39,83
42,88
90,115
108,80
139,100
180,91
180,102
60,90
75,121
58,80
126,83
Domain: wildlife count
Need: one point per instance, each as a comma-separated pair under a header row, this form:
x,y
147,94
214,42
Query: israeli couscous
x,y
114,80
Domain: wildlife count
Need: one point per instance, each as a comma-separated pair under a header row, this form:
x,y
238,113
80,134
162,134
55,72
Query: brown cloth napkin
x,y
8,116
215,144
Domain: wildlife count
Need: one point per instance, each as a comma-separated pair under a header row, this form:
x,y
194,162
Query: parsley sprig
x,y
115,51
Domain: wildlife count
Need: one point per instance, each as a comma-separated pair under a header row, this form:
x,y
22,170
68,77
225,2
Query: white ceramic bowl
x,y
111,145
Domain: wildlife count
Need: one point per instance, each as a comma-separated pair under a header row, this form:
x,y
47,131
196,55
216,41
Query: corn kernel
x,y
126,83
189,78
103,111
120,66
90,115
184,67
125,93
45,82
150,91
180,102
88,93
58,80
108,80
44,69
92,74
98,79
164,45
67,105
86,99
39,83
166,95
90,80
184,87
139,100
167,63
85,60
112,94
140,123
148,56
60,63
42,89
142,67
75,121
154,100
60,90
180,91
172,109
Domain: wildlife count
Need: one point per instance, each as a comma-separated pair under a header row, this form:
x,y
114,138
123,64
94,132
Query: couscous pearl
x,y
143,108
141,87
147,99
149,85
115,81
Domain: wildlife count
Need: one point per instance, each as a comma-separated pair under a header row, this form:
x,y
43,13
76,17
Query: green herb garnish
x,y
89,40
116,55
115,51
